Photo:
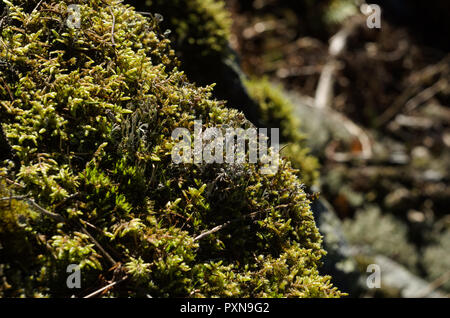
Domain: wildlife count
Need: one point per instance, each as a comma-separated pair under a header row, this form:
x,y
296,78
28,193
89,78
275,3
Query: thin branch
x,y
40,209
104,252
54,216
11,182
251,215
426,95
213,230
37,6
14,197
338,44
113,26
7,89
144,13
105,288
324,92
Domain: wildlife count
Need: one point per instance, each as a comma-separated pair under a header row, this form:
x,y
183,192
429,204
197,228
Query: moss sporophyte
x,y
88,115
209,146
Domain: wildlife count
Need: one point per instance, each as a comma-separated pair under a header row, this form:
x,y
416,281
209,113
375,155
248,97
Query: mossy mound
x,y
89,113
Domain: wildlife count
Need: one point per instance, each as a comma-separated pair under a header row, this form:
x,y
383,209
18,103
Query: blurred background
x,y
373,107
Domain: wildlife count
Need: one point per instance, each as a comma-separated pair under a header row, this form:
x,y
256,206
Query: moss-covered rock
x,y
89,118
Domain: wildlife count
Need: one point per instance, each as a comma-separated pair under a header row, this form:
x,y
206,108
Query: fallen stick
x,y
105,288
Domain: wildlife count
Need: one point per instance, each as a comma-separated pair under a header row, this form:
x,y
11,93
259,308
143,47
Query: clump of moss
x,y
89,118
278,112
201,27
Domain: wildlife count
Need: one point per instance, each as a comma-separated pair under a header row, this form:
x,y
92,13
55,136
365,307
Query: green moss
x,y
278,112
201,28
90,122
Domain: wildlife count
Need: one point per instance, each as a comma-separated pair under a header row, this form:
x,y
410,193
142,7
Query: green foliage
x,y
278,112
90,121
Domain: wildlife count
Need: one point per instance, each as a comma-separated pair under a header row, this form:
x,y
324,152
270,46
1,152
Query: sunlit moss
x,y
90,122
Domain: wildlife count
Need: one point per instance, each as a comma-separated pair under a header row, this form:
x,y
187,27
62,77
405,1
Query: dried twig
x,y
11,182
14,197
52,215
338,44
251,215
60,218
104,252
7,89
213,230
106,287
426,95
37,6
113,26
396,107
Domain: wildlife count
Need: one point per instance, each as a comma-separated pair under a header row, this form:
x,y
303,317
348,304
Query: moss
x,y
90,122
200,32
277,111
201,27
